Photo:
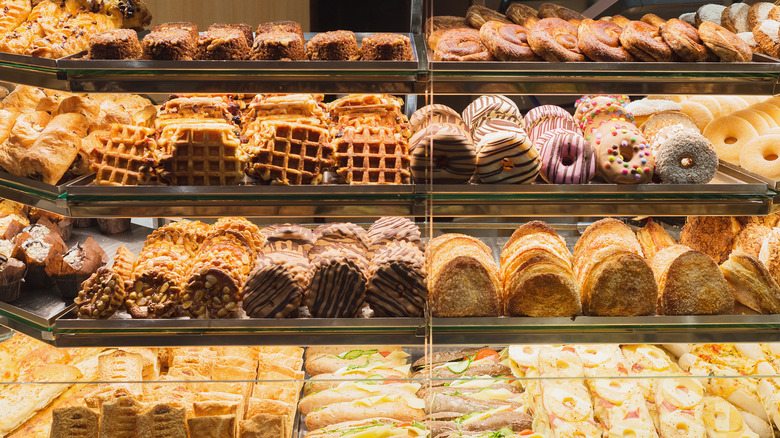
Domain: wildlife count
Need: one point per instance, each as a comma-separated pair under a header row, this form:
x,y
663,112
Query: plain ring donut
x,y
761,155
555,40
728,135
600,41
686,158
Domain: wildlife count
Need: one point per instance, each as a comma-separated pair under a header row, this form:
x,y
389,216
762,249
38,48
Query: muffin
x,y
83,222
280,26
191,28
36,253
386,47
113,226
75,266
66,227
282,46
223,43
11,273
337,45
245,29
115,44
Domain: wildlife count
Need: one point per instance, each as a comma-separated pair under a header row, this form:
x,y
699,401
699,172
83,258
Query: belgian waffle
x,y
197,108
372,155
127,157
201,154
289,153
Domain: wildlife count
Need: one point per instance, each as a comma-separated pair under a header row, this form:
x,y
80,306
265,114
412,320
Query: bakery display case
x,y
238,326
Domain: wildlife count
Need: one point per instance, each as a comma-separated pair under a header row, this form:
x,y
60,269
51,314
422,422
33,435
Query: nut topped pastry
x,y
281,46
337,45
223,43
280,26
101,295
115,44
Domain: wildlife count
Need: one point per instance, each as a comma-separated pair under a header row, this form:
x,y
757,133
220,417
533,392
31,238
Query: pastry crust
x,y
507,42
555,40
478,15
644,41
750,239
600,41
751,282
522,15
684,40
461,44
463,285
712,235
725,44
621,284
690,283
653,238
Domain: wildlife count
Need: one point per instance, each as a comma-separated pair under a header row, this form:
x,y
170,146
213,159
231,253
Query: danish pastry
x,y
521,14
684,40
728,47
600,41
555,40
507,42
461,45
644,41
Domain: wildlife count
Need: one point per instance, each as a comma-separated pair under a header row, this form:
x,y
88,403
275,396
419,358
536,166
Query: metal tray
x,y
89,200
36,193
147,76
731,192
757,77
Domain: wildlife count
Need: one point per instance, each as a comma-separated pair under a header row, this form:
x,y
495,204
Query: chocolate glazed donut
x,y
644,41
555,40
600,41
507,42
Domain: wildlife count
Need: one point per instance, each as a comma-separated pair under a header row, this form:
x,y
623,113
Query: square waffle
x,y
127,157
289,153
372,155
201,154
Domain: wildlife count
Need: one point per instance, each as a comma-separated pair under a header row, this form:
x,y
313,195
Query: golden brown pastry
x,y
600,41
462,44
479,15
507,42
55,149
712,235
690,283
549,10
750,239
522,15
25,131
729,47
653,238
653,20
24,98
555,40
13,13
684,40
437,25
751,283
644,41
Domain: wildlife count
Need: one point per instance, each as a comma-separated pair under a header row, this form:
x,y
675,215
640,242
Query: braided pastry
x,y
617,19
729,47
101,295
521,14
461,45
600,41
555,40
684,40
507,42
644,41
479,15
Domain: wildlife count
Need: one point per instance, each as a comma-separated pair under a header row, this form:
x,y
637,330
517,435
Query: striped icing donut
x,y
496,125
546,118
491,107
507,158
434,113
566,157
454,154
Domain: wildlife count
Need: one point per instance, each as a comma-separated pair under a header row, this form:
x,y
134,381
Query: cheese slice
x,y
410,400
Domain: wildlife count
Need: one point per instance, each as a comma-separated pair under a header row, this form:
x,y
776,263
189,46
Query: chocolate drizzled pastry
x,y
276,285
352,237
337,286
396,282
393,228
296,234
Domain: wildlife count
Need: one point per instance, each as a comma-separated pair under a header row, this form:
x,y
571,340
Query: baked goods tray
x,y
148,76
89,200
70,332
760,77
35,193
731,192
606,329
30,70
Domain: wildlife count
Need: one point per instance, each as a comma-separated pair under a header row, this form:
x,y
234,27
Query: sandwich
x,y
350,391
400,407
330,363
372,428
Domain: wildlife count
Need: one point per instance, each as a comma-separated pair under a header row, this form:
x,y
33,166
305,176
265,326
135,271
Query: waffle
x,y
195,108
128,157
289,153
201,154
372,155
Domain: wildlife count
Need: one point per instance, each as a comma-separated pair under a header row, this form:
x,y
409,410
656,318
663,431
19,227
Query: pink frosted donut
x,y
540,113
624,156
566,157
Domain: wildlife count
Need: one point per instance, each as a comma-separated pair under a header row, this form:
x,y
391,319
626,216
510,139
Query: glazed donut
x,y
759,12
600,41
478,15
623,154
686,158
521,14
566,157
507,158
454,154
644,41
461,45
555,40
684,41
710,12
728,135
771,123
435,113
507,42
766,37
496,125
735,18
728,47
653,20
761,155
754,118
549,10
490,107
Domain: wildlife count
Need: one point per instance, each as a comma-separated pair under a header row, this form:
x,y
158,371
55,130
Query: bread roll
x,y
690,283
613,276
537,273
463,278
